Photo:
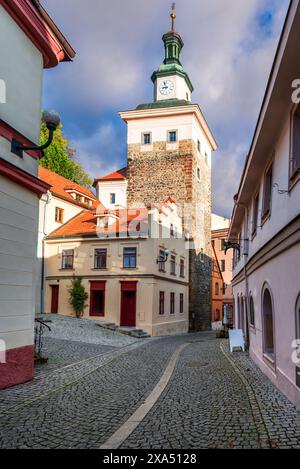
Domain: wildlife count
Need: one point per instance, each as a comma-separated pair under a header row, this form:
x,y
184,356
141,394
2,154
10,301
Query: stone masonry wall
x,y
155,175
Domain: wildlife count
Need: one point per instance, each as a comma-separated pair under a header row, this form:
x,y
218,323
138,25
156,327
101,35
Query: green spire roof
x,y
172,65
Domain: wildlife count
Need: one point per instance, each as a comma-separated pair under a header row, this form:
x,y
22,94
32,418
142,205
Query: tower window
x,y
112,198
172,136
146,138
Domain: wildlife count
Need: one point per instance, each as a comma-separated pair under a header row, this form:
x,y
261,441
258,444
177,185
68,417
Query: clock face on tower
x,y
166,87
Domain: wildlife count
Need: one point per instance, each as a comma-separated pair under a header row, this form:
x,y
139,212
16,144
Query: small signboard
x,y
236,340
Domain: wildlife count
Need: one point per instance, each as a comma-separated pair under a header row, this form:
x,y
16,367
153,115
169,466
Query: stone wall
x,y
164,172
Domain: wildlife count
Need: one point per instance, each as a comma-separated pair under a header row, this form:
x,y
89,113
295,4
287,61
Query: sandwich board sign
x,y
236,340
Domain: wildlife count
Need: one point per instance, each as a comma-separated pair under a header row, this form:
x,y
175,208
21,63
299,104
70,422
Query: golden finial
x,y
173,16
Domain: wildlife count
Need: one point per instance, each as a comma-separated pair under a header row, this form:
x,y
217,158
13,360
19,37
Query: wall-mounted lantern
x,y
52,121
163,259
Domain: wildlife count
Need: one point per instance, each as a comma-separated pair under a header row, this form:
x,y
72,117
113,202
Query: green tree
x,y
78,296
60,158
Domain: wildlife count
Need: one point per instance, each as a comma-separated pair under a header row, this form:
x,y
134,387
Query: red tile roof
x,y
85,223
119,175
60,186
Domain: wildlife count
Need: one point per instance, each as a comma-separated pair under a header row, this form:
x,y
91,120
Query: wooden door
x,y
97,303
128,308
54,298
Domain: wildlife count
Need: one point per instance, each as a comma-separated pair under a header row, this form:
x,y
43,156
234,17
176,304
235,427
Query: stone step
x,y
133,332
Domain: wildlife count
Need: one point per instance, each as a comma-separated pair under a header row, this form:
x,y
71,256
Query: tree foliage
x,y
60,158
78,296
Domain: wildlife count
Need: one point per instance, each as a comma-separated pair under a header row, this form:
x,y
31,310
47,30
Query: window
x,y
129,258
222,248
161,264
112,198
182,268
201,255
100,258
181,303
78,197
172,136
268,332
267,192
255,214
224,287
161,303
146,139
59,215
298,318
217,315
67,259
252,312
172,303
217,289
223,266
199,146
295,143
172,230
173,265
198,174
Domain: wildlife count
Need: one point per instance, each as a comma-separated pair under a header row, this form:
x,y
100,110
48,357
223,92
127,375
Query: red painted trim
x,y
22,178
96,285
128,285
9,133
19,366
36,28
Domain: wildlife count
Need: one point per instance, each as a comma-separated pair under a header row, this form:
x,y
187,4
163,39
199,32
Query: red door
x,y
128,304
97,299
54,298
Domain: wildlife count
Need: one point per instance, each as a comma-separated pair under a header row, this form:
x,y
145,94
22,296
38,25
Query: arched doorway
x,y
242,316
268,323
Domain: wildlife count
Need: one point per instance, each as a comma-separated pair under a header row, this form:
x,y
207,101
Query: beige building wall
x,y
150,280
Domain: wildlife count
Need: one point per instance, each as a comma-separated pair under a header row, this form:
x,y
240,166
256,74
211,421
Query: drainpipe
x,y
42,298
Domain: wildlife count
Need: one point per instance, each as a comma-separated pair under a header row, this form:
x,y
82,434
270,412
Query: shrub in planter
x,y
78,296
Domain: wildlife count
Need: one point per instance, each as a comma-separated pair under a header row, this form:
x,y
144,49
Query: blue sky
x,y
228,53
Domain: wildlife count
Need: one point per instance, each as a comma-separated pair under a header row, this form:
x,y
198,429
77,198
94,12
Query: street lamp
x,y
52,121
164,258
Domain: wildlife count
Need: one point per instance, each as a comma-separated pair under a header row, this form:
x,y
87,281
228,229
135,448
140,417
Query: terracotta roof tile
x,y
60,186
119,175
85,223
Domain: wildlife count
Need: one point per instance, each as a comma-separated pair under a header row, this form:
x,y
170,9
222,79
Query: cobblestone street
x,y
88,391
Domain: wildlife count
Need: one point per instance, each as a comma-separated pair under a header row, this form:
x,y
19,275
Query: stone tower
x,y
169,155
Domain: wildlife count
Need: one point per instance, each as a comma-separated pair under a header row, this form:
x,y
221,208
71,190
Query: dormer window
x,y
79,197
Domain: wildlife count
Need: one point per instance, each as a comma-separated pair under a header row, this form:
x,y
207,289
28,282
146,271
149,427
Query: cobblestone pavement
x,y
80,400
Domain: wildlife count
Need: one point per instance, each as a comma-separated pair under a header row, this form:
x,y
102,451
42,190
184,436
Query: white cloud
x,y
100,151
227,54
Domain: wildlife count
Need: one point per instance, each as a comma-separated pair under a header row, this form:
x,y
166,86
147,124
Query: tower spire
x,y
173,16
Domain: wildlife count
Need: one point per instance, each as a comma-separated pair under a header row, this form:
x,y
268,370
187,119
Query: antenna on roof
x,y
173,16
